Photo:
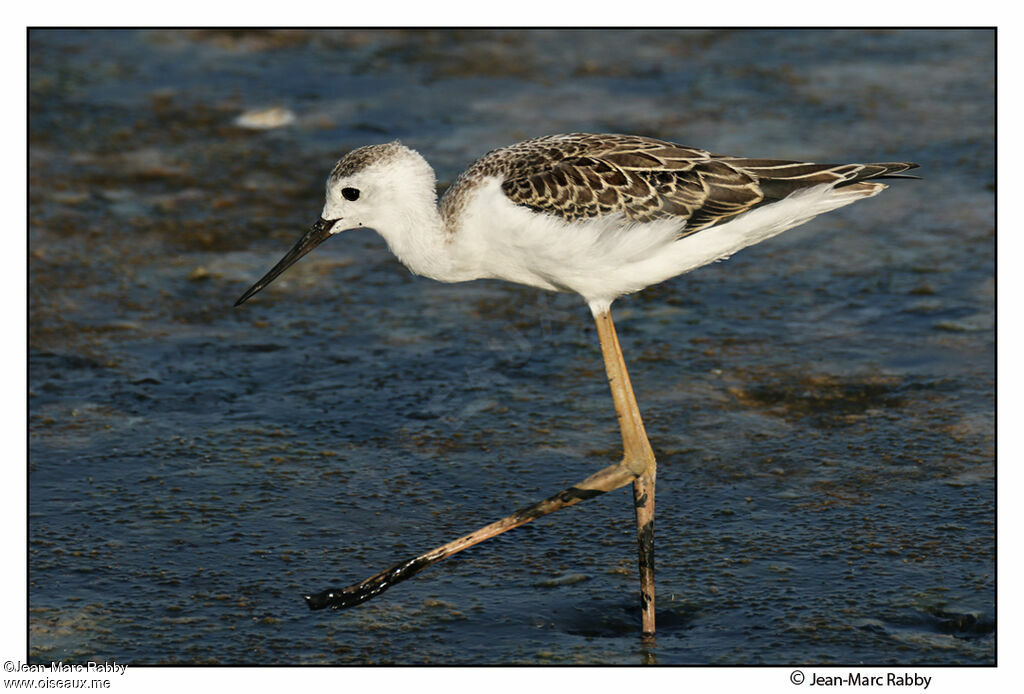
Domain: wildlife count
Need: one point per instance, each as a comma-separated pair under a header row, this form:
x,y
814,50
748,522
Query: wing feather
x,y
580,176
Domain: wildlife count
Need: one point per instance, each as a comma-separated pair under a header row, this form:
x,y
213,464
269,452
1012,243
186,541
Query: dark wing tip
x,y
911,176
895,169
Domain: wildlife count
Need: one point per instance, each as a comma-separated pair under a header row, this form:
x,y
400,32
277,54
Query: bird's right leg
x,y
612,477
637,467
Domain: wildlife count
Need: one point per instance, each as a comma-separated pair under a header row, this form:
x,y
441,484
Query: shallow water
x,y
822,405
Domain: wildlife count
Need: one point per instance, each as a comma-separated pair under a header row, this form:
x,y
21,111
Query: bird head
x,y
370,187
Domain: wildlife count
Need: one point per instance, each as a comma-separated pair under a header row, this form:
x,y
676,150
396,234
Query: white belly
x,y
606,257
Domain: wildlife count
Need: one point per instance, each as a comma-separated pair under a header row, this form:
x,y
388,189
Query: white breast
x,y
606,257
590,257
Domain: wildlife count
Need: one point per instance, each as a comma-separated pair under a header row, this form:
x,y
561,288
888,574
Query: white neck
x,y
415,234
412,225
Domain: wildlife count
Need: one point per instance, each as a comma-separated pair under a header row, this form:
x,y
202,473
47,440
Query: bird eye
x,y
350,193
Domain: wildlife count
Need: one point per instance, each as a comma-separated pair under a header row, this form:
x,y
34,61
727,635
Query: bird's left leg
x,y
637,456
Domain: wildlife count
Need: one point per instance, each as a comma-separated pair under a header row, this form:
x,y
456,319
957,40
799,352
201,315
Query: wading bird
x,y
598,215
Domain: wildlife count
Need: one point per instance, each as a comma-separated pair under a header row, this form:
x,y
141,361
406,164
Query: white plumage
x,y
598,215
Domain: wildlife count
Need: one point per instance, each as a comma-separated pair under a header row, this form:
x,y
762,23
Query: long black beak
x,y
319,233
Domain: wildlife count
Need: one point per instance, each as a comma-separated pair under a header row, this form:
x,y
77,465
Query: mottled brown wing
x,y
583,175
657,180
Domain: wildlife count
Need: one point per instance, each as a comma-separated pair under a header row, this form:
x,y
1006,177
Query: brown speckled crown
x,y
359,159
580,176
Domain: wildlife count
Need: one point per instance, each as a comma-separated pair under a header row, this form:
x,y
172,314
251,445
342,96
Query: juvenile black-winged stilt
x,y
598,215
